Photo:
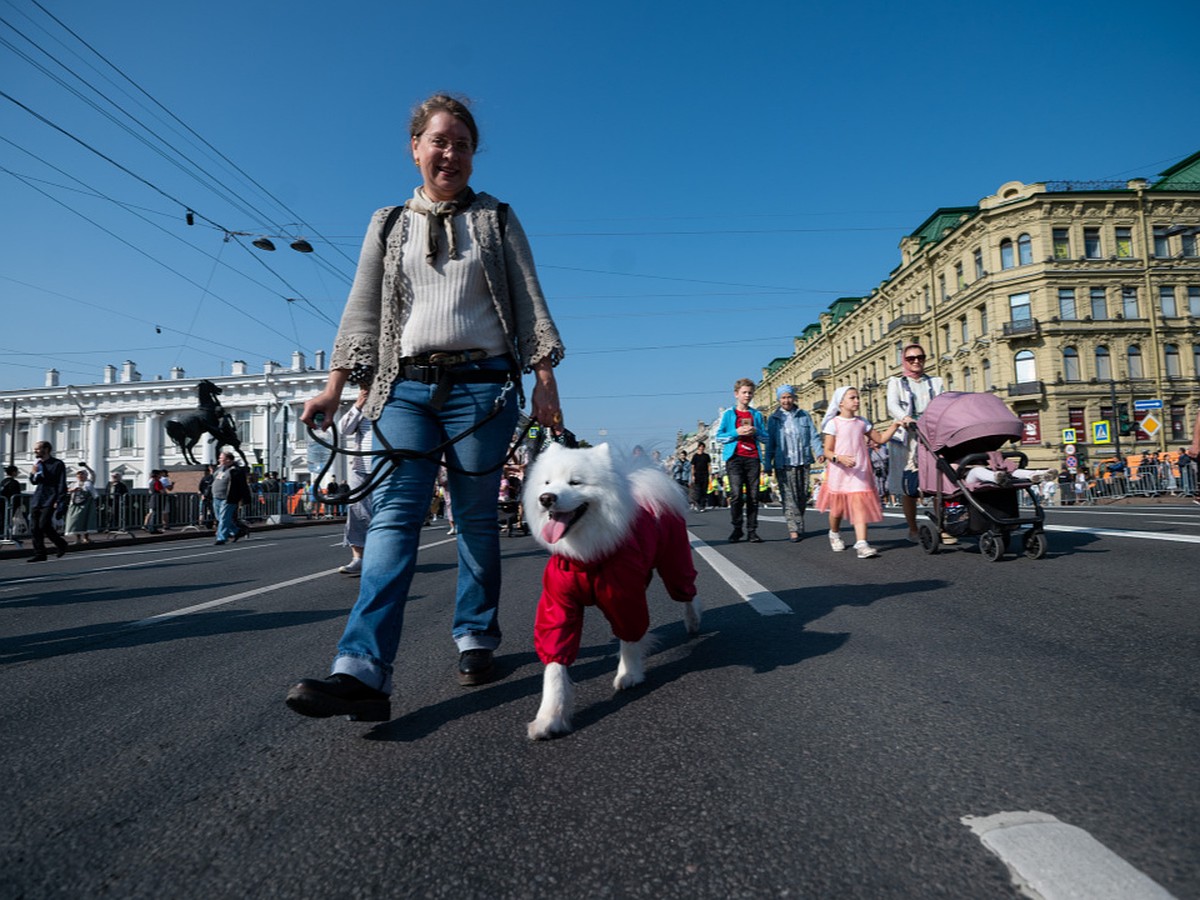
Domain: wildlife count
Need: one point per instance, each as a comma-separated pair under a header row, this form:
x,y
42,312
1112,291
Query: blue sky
x,y
699,180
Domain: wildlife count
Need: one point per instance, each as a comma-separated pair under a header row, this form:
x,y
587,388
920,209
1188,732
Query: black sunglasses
x,y
915,358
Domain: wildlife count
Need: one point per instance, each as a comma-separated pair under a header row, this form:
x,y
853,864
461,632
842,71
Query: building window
x,y
949,381
244,420
983,321
1025,250
1025,366
1196,360
75,434
1066,304
964,333
968,381
979,272
928,299
1070,360
1062,243
1103,364
1171,359
946,338
987,374
1019,305
1178,424
1124,242
1194,302
1162,242
1006,254
1099,304
959,281
1091,243
942,287
22,443
1189,242
128,432
1134,357
1166,298
899,352
1129,302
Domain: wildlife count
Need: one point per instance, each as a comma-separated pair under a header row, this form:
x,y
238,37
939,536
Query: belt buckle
x,y
440,358
424,374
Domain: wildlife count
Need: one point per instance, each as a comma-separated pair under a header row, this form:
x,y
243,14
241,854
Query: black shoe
x,y
339,695
62,551
218,543
36,559
753,538
475,667
736,536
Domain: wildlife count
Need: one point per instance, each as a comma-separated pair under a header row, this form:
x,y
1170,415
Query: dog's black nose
x,y
547,499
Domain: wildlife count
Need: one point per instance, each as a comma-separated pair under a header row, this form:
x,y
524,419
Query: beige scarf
x,y
437,217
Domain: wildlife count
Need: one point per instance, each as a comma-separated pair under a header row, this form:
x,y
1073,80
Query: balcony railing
x,y
1024,388
906,319
818,374
1021,328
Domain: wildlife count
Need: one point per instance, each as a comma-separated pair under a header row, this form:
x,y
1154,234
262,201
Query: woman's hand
x,y
546,408
326,403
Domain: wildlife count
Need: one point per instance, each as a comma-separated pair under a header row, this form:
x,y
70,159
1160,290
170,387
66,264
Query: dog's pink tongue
x,y
553,530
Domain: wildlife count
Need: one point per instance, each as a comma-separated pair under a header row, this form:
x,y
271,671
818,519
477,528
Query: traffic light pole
x,y
1115,426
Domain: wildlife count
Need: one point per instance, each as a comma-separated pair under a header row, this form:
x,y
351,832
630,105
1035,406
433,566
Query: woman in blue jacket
x,y
793,444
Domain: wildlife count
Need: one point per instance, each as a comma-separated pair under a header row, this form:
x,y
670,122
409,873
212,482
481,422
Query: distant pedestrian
x,y
229,489
701,475
849,490
82,517
793,444
743,431
49,477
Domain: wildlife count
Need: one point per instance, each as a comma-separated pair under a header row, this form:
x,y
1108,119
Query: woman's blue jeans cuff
x,y
477,642
365,670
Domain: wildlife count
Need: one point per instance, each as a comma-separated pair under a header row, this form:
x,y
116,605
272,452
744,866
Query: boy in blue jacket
x,y
741,434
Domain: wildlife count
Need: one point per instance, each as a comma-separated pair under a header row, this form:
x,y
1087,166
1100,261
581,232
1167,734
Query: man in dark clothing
x,y
701,467
50,477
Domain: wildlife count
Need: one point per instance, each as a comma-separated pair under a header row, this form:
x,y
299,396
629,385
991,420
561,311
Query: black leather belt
x,y
440,368
435,374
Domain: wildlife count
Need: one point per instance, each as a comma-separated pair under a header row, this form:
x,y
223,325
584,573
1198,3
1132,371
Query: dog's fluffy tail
x,y
654,490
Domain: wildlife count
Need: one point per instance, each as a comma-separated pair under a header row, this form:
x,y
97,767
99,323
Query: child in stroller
x,y
975,487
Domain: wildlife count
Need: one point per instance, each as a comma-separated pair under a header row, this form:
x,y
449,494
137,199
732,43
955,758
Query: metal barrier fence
x,y
143,511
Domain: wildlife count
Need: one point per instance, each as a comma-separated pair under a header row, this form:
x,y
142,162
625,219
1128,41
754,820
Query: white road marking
x,y
233,598
763,601
1051,860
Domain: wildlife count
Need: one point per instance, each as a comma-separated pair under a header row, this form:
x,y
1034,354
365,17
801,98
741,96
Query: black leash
x,y
394,456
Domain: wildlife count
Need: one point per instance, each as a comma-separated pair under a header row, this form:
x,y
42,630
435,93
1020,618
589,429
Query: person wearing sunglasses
x,y
907,396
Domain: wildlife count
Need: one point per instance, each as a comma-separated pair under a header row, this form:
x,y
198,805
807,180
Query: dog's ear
x,y
552,448
604,450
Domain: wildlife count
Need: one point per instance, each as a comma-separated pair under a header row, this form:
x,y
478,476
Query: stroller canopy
x,y
981,421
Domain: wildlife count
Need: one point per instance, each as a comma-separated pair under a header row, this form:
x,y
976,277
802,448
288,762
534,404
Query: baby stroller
x,y
956,432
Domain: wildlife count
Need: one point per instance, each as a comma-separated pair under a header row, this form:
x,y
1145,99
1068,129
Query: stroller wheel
x,y
1035,544
992,545
931,540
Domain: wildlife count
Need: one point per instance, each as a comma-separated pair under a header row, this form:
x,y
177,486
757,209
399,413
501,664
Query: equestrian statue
x,y
209,418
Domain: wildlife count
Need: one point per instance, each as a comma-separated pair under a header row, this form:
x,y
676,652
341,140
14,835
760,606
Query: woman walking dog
x,y
445,313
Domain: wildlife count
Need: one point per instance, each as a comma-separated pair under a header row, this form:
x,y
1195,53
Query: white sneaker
x,y
452,530
835,541
865,550
354,567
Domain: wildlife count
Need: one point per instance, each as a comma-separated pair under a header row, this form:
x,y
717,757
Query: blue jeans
x,y
400,505
226,519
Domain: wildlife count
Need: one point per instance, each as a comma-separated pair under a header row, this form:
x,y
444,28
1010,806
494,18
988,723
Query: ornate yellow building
x,y
1064,298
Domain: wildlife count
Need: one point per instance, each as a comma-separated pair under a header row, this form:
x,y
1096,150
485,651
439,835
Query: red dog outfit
x,y
616,584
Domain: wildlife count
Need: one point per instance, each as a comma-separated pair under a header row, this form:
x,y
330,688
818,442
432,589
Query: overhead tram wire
x,y
229,195
241,351
139,250
299,219
130,209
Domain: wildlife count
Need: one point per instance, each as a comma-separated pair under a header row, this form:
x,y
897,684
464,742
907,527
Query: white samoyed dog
x,y
609,524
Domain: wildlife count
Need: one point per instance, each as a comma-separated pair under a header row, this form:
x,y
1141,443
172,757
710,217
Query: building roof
x,y
1183,176
843,306
933,229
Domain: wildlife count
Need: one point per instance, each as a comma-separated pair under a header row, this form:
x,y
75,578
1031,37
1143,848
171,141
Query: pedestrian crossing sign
x,y
1101,433
1068,435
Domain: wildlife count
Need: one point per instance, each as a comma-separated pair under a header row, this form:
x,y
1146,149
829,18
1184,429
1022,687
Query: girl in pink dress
x,y
849,489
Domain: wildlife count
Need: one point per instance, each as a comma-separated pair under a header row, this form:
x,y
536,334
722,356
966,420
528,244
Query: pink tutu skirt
x,y
853,506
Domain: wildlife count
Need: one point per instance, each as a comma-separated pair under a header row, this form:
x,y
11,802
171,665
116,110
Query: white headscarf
x,y
835,405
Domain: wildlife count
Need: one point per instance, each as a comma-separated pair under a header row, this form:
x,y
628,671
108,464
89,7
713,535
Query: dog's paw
x,y
544,728
626,680
691,616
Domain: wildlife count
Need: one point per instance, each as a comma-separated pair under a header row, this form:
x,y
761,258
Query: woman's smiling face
x,y
444,152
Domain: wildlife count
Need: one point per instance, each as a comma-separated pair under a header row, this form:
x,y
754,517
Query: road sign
x,y
1147,404
1072,462
1069,449
1068,436
1101,433
1150,424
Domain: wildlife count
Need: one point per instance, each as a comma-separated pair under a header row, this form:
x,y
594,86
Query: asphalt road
x,y
832,751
